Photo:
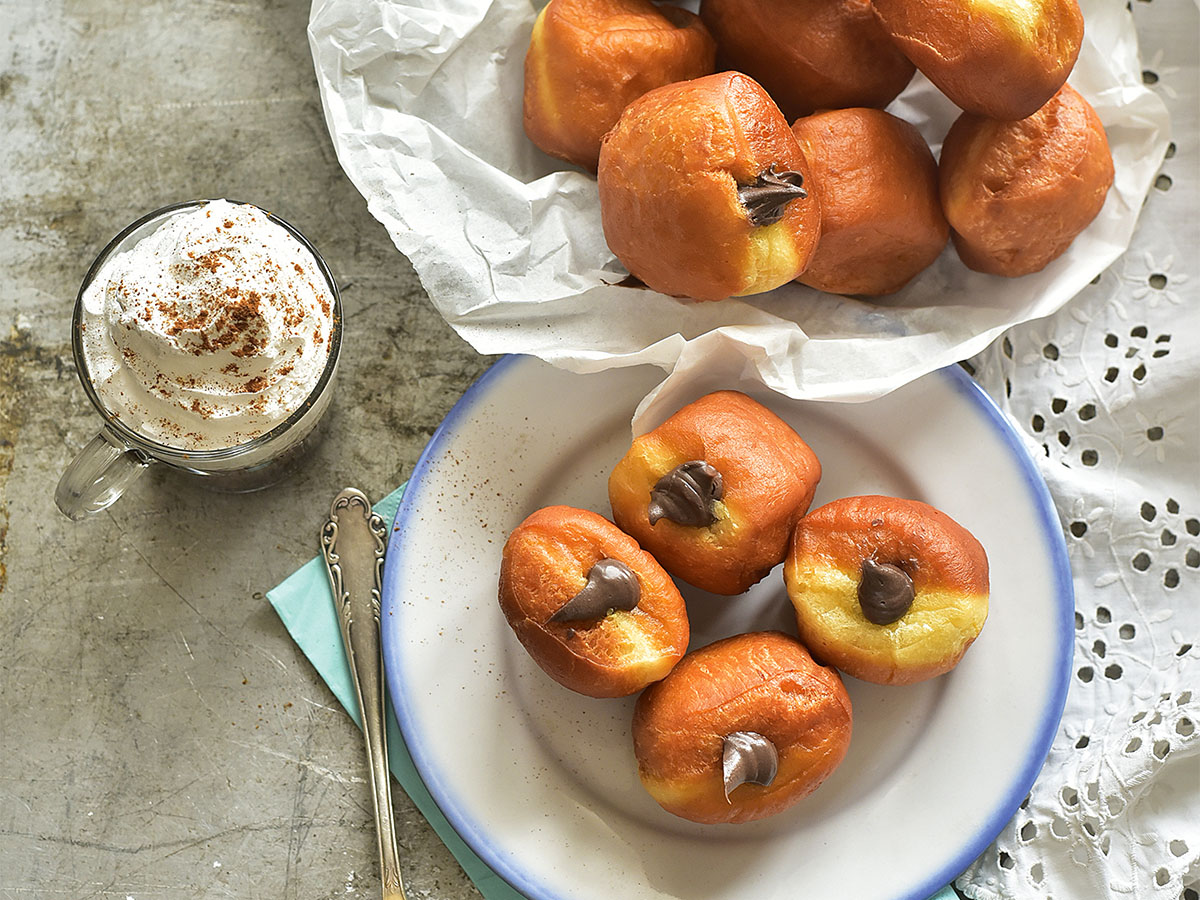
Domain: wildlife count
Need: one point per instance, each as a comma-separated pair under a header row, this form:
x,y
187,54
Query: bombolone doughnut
x,y
715,490
887,590
809,54
704,191
997,58
881,216
594,610
741,729
589,59
1017,194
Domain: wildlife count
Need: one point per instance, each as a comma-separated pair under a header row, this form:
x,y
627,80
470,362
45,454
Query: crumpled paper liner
x,y
423,102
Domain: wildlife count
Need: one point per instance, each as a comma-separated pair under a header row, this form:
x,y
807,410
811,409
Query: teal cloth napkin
x,y
305,604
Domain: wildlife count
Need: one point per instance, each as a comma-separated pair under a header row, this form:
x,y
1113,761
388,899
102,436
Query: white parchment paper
x,y
423,101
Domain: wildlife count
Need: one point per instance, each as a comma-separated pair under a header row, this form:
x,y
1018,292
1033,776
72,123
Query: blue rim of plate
x,y
1064,592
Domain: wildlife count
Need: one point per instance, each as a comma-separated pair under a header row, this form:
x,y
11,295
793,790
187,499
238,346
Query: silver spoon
x,y
352,543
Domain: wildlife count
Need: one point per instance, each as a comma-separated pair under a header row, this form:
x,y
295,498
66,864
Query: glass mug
x,y
118,454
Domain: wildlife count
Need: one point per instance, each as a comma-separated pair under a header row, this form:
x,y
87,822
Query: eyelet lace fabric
x,y
1106,394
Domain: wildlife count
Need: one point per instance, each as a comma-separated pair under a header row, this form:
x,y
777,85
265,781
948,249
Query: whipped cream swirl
x,y
210,331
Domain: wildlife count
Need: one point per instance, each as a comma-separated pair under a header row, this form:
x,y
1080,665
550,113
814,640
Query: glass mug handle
x,y
98,475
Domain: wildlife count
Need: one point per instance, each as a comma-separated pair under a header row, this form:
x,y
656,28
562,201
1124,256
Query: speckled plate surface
x,y
542,783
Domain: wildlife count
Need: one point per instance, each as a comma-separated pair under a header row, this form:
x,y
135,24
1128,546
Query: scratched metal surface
x,y
160,735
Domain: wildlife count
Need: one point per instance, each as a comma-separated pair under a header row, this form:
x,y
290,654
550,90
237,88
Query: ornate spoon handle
x,y
352,543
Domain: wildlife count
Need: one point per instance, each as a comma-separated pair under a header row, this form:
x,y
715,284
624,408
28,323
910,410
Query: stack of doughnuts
x,y
883,589
706,192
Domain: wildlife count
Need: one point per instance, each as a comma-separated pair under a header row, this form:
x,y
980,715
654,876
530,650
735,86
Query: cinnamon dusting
x,y
231,299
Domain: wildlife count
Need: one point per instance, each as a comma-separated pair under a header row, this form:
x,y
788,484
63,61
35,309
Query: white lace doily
x,y
1107,396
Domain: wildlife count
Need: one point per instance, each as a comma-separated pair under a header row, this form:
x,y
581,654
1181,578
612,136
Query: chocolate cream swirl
x,y
747,756
687,495
885,592
766,198
610,585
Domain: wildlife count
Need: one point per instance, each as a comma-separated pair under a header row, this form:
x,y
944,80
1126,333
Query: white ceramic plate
x,y
542,783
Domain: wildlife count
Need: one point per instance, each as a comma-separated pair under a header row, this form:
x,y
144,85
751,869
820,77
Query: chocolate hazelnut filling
x,y
885,592
687,494
610,585
747,756
766,199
